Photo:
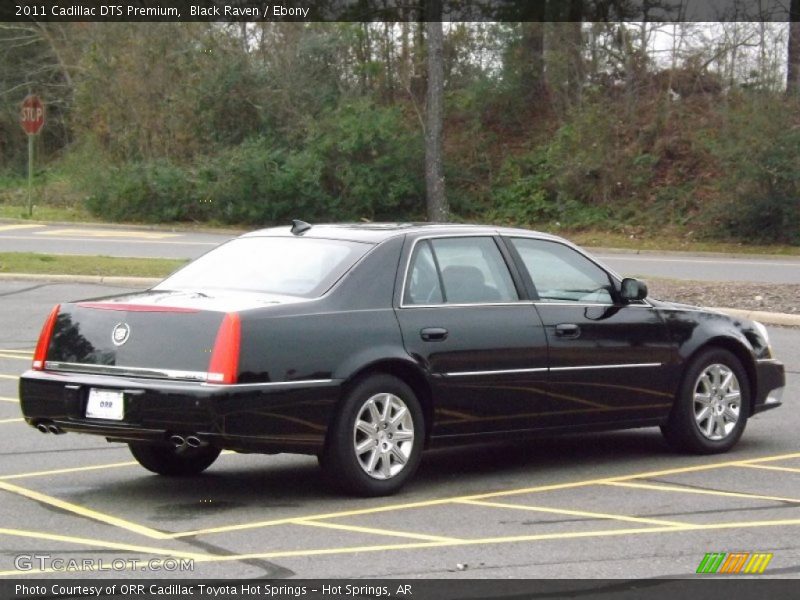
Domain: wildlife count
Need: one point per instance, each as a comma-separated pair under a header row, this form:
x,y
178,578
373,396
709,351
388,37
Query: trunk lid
x,y
158,333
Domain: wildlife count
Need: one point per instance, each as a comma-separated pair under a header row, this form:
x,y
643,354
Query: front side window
x,y
459,270
560,274
304,267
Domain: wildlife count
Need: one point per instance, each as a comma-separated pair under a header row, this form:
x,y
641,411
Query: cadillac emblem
x,y
120,333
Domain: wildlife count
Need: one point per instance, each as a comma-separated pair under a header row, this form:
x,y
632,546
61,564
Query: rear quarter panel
x,y
331,337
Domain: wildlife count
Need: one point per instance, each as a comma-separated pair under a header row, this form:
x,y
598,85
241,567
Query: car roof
x,y
378,232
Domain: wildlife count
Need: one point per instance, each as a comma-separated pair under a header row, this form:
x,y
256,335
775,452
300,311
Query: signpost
x,y
31,117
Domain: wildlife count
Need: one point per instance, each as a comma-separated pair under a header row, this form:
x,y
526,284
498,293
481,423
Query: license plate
x,y
105,404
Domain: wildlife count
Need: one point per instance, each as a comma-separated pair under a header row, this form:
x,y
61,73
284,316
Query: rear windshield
x,y
303,267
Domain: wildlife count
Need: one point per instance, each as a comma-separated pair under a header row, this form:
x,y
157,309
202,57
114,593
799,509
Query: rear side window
x,y
459,270
304,267
424,285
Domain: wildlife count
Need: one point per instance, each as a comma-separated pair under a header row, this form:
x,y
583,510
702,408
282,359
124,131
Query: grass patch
x,y
69,214
106,266
47,213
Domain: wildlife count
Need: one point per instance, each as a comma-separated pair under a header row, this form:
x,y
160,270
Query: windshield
x,y
303,267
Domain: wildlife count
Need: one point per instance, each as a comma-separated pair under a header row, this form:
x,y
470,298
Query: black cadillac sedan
x,y
365,344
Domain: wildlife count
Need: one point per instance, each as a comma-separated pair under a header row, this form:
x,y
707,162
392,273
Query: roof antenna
x,y
299,227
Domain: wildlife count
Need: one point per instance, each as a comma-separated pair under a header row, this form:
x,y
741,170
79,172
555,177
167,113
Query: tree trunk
x,y
793,55
564,69
434,164
532,72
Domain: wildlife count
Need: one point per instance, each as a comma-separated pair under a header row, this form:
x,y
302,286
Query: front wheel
x,y
711,409
375,443
171,461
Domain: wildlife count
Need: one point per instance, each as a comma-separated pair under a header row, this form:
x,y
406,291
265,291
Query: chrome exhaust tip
x,y
55,430
43,428
195,442
177,440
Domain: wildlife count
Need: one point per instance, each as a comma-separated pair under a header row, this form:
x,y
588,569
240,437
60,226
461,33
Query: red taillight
x,y
224,365
40,354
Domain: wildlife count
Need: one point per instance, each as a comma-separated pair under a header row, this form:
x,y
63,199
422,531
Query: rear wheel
x,y
375,443
711,410
174,462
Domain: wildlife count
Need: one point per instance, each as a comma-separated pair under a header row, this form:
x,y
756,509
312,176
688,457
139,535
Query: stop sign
x,y
31,115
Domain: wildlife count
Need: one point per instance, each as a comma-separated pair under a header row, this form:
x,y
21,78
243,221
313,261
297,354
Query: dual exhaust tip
x,y
190,441
179,441
54,429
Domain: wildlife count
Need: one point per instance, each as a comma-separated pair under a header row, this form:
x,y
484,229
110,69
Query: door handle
x,y
568,330
433,334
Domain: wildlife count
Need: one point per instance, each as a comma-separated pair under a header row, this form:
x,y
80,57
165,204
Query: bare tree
x,y
793,55
434,163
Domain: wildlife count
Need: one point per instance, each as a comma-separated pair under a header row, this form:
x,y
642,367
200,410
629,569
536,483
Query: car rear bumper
x,y
771,380
262,417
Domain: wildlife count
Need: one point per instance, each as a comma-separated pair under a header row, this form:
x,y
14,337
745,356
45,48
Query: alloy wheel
x,y
717,402
383,436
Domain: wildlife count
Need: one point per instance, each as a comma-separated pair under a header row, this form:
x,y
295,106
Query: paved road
x,y
705,268
98,240
105,241
595,506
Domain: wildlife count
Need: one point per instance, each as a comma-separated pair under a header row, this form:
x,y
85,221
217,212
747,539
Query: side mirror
x,y
633,289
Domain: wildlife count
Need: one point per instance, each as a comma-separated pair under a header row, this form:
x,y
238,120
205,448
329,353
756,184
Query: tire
x,y
172,462
373,450
712,406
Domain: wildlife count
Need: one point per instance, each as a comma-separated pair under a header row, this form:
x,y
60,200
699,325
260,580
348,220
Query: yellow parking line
x,y
79,469
291,520
87,240
53,537
577,513
386,532
747,524
20,226
448,500
11,421
7,399
17,351
2,376
771,468
500,540
421,504
83,511
69,470
16,356
688,490
110,233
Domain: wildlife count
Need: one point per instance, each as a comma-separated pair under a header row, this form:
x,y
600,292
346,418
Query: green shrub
x,y
146,192
259,184
372,163
522,195
357,162
760,152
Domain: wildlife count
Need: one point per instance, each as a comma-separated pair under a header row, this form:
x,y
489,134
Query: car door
x,y
467,322
608,359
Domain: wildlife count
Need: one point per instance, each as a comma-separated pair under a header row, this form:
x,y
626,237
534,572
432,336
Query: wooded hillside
x,y
689,126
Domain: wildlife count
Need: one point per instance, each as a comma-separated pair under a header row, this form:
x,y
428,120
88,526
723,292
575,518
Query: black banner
x,y
708,588
399,10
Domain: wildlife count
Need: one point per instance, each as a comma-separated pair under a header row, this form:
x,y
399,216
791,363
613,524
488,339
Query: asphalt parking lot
x,y
593,506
